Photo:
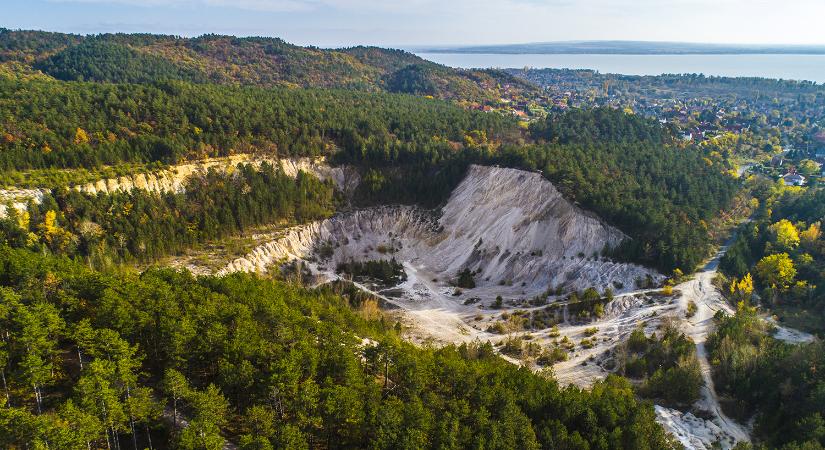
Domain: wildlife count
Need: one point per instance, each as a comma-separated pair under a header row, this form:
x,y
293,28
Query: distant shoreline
x,y
802,67
628,48
450,52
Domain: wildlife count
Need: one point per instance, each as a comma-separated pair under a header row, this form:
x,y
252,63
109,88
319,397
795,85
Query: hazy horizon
x,y
428,23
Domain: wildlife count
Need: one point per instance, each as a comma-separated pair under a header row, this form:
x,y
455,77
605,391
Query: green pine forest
x,y
95,354
89,357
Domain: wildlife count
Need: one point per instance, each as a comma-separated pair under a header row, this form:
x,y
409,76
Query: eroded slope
x,y
175,178
511,228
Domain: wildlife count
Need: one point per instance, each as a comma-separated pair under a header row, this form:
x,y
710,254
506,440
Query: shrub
x,y
692,309
512,346
465,279
552,355
679,385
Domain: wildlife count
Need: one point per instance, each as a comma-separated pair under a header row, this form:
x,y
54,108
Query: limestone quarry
x,y
526,248
512,229
521,240
175,177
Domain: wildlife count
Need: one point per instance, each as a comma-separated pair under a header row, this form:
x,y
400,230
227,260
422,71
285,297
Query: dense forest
x,y
143,226
100,359
107,61
778,260
621,167
251,61
69,125
411,150
778,384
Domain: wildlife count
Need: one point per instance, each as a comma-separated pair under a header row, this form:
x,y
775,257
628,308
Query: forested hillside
x,y
48,124
141,226
776,264
163,358
777,384
780,257
94,354
629,170
412,150
258,61
625,168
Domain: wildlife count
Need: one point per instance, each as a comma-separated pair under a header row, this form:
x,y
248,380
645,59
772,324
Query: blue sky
x,y
408,23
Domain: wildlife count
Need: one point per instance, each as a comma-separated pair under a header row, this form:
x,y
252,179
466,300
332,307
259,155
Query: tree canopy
x,y
94,357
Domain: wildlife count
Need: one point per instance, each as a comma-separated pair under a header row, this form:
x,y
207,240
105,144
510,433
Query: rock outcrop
x,y
18,199
511,228
174,178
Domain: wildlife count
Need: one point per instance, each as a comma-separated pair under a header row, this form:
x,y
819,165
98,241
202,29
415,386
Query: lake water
x,y
789,67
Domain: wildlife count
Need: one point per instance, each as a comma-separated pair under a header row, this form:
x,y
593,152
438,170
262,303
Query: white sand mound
x,y
510,227
694,433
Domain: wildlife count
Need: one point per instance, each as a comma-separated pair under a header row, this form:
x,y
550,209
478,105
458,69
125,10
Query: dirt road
x,y
709,300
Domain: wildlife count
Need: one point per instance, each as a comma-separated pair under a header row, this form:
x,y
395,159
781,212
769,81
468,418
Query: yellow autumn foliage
x,y
80,136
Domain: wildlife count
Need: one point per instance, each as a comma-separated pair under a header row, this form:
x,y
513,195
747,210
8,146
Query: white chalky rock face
x,y
174,179
511,227
360,235
18,199
694,433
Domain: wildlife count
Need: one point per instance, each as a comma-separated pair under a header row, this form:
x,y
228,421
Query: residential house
x,y
794,179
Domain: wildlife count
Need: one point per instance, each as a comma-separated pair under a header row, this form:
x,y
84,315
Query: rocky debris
x,y
512,229
694,433
376,233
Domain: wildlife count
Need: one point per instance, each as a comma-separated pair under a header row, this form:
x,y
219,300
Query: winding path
x,y
709,300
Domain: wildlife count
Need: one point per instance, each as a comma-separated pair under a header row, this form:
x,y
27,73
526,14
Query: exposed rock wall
x,y
372,233
174,179
18,199
512,228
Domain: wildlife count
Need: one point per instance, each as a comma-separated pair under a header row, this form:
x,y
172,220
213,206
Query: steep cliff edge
x,y
511,228
174,178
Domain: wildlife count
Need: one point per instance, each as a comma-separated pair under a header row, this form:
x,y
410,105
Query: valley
x,y
236,242
540,241
525,248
